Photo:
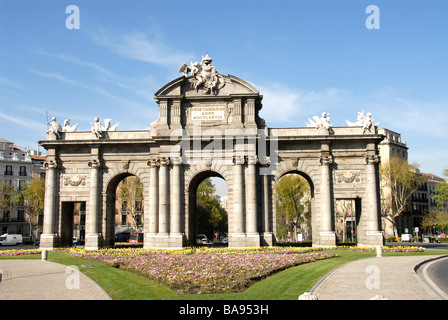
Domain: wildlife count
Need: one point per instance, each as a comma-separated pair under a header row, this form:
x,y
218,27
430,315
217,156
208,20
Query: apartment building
x,y
17,167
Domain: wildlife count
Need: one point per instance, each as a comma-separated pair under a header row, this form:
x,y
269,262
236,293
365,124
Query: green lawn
x,y
285,285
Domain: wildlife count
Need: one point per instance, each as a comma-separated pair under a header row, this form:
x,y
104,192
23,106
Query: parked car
x,y
136,237
11,239
201,238
406,237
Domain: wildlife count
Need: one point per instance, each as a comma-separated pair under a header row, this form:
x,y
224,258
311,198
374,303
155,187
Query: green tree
x,y
34,194
403,180
130,195
437,219
211,216
9,198
292,198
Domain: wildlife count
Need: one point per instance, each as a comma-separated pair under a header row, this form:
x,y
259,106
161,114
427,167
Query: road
x,y
436,274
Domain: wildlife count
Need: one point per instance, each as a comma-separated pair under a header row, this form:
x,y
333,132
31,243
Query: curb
x,y
430,287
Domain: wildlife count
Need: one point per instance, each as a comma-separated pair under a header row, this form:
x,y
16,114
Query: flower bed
x,y
198,271
209,270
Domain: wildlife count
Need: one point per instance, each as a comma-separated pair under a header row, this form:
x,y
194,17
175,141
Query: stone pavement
x,y
393,278
45,280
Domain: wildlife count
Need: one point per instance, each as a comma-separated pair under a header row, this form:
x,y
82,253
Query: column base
x,y
326,239
93,242
237,240
48,241
164,241
242,240
371,238
267,239
252,240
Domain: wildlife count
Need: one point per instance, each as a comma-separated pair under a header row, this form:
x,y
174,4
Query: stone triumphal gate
x,y
209,125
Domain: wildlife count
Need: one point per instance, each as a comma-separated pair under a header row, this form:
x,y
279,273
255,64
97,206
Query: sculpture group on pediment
x,y
204,75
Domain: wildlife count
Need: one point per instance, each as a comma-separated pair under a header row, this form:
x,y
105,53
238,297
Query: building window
x,y
20,215
22,171
22,184
8,171
123,219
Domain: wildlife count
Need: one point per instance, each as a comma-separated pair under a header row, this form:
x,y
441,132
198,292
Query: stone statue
x,y
68,128
317,122
55,127
98,129
204,75
109,127
364,121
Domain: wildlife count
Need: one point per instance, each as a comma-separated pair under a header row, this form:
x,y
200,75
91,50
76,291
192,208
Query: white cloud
x,y
288,106
138,46
59,77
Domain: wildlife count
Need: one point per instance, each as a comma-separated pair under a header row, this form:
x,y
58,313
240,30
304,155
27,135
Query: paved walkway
x,y
393,278
45,280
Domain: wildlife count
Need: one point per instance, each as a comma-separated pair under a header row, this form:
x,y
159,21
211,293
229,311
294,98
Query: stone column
x,y
153,219
92,233
49,236
164,197
327,235
238,237
176,203
373,235
252,235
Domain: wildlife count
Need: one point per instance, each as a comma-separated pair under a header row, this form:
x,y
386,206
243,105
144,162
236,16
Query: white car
x,y
406,237
10,239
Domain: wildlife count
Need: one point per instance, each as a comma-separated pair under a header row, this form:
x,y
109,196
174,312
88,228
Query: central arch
x,y
191,216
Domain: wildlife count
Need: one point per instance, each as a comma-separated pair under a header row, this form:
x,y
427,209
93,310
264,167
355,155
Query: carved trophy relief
x,y
348,176
74,180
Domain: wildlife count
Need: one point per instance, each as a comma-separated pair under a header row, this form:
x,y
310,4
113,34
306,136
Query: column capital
x,y
94,164
239,160
50,164
153,163
252,159
326,160
165,161
176,161
372,159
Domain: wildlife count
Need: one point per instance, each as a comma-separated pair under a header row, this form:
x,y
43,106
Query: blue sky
x,y
305,57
